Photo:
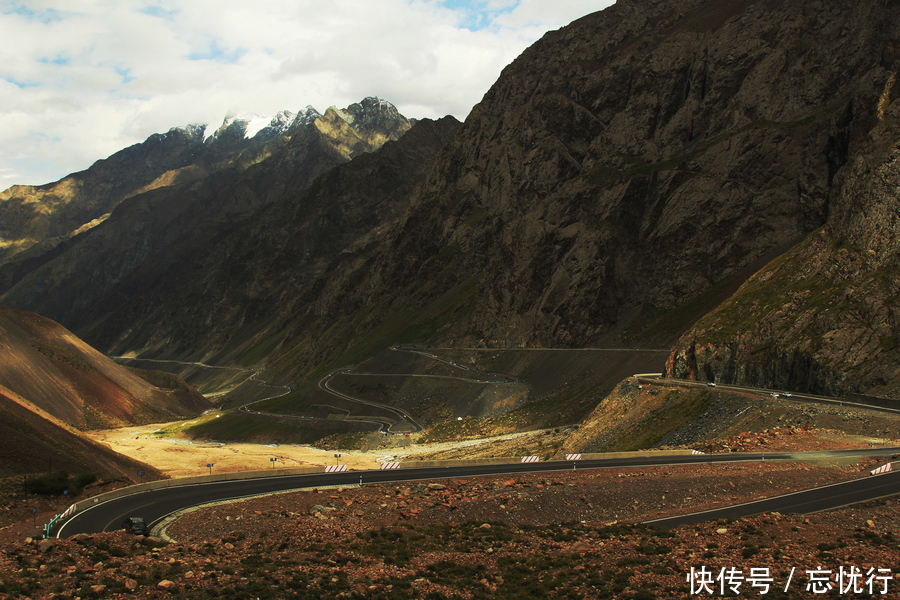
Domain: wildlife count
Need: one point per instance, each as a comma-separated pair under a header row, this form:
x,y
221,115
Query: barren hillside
x,y
46,364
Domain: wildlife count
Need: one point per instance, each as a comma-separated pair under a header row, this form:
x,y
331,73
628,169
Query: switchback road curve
x,y
155,505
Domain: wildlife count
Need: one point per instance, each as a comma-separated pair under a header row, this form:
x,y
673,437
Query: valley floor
x,y
177,457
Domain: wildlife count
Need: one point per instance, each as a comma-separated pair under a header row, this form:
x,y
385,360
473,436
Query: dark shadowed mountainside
x,y
154,228
242,293
824,317
624,175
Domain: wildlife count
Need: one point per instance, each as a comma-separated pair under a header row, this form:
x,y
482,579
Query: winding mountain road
x,y
387,426
156,505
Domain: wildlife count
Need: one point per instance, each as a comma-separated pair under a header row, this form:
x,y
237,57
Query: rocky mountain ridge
x,y
157,227
240,295
823,318
35,219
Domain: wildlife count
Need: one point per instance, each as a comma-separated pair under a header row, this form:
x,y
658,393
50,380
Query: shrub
x,y
54,484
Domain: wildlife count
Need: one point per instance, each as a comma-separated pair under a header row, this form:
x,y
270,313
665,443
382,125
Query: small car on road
x,y
136,526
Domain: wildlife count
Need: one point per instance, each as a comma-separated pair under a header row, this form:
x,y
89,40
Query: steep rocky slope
x,y
40,217
152,231
36,219
240,294
59,374
824,317
622,174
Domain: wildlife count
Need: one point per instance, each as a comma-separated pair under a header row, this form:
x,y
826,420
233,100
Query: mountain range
x,y
715,178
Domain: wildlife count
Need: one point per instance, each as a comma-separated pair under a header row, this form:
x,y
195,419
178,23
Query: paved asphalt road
x,y
155,505
871,403
804,502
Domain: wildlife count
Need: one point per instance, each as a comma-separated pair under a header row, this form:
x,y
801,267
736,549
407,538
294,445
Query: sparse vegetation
x,y
63,355
56,483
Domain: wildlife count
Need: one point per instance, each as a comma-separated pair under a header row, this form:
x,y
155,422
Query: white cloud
x,y
79,81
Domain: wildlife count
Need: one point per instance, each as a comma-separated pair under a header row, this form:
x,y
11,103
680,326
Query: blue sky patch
x,y
44,16
58,60
476,13
216,53
20,84
125,74
160,12
43,136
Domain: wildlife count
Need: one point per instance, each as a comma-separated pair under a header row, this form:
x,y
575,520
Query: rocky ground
x,y
566,534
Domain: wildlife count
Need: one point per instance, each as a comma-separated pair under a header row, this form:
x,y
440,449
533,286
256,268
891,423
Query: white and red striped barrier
x,y
69,512
573,457
335,468
697,452
531,459
389,465
883,469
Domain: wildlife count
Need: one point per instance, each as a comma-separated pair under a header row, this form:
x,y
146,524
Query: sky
x,y
80,80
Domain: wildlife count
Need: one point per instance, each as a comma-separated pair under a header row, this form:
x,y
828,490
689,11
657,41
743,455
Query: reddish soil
x,y
568,534
565,534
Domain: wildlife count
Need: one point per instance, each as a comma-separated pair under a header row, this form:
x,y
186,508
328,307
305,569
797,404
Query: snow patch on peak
x,y
208,132
307,116
244,119
255,124
252,124
191,129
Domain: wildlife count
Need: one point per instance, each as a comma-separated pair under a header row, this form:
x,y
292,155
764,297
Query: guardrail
x,y
181,481
514,460
174,482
